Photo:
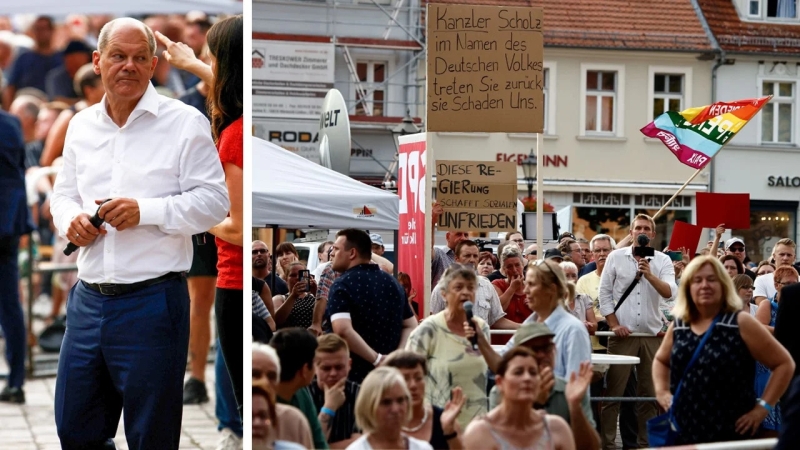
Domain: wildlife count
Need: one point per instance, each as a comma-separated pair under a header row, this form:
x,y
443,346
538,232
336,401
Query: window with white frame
x,y
601,101
772,9
371,75
777,116
668,90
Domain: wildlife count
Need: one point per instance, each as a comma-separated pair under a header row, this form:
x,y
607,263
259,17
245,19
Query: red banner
x,y
411,190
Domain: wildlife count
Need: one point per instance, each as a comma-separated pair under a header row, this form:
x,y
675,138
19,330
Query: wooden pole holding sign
x,y
539,203
697,172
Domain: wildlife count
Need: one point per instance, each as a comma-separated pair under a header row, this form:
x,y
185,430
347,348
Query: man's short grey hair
x,y
108,30
603,237
270,353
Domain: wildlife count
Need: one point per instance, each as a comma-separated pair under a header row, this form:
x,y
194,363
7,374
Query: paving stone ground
x,y
32,426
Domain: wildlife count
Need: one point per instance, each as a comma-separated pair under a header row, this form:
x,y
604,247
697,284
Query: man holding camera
x,y
633,282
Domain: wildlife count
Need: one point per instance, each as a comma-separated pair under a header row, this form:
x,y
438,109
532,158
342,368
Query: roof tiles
x,y
669,25
737,36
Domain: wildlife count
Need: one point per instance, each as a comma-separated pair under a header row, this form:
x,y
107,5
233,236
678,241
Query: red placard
x,y
685,235
714,209
411,172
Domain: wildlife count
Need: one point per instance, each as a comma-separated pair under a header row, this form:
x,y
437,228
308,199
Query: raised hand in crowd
x,y
451,411
578,384
181,56
548,381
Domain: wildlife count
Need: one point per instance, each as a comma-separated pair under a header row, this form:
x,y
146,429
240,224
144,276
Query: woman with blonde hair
x,y
383,407
580,305
721,371
515,424
547,291
451,360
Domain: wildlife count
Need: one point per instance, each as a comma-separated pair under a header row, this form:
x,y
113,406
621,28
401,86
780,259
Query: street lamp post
x,y
405,127
529,167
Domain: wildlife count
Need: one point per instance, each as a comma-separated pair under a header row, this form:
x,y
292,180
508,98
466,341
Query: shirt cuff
x,y
151,211
64,225
606,309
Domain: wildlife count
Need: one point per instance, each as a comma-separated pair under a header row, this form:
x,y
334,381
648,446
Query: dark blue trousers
x,y
123,353
11,319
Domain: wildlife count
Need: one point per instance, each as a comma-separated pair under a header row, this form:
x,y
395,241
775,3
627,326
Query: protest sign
x,y
485,68
477,195
685,235
714,209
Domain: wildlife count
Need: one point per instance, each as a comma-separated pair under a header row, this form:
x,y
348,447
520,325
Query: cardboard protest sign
x,y
485,68
714,209
477,195
685,235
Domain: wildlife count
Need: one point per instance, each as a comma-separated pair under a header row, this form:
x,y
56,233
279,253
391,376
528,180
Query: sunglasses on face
x,y
259,252
737,249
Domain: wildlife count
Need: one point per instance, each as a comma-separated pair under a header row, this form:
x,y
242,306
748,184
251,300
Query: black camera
x,y
644,252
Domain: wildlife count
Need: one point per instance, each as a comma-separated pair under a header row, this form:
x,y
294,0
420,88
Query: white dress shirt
x,y
487,303
164,158
640,312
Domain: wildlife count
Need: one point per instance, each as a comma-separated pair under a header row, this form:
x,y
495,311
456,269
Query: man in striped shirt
x,y
333,394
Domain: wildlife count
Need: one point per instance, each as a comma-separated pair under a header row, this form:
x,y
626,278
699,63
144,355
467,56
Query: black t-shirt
x,y
750,274
279,287
258,284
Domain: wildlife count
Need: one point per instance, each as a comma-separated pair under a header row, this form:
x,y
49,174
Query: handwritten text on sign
x,y
485,69
477,195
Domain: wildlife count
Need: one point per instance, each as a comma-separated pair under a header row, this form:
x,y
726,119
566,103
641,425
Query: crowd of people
x,y
174,83
400,380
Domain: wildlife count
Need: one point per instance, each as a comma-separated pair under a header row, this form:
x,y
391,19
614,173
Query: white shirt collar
x,y
148,103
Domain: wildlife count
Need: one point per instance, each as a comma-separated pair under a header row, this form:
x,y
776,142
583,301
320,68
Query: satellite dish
x,y
324,153
334,130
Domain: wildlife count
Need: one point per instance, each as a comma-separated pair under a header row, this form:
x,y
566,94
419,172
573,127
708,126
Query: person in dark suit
x,y
16,222
789,437
786,321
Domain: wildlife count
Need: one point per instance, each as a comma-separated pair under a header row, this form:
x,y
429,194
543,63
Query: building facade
x,y
759,47
605,79
372,51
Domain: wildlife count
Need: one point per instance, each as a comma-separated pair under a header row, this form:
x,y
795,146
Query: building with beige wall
x,y
603,83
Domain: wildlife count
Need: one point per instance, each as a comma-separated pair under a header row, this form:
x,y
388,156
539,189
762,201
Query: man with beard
x,y
262,266
31,67
487,303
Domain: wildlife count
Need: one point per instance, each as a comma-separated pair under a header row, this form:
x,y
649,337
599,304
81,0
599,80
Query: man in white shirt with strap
x,y
639,313
128,316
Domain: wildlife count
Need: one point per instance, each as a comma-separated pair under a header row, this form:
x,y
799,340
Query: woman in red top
x,y
511,288
225,99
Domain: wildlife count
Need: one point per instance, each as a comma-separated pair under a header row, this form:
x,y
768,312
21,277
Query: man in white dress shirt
x,y
639,313
128,316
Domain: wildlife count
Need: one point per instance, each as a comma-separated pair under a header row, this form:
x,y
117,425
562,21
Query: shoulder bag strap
x,y
628,291
695,356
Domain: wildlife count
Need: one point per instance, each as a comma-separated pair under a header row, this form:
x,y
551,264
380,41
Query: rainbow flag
x,y
695,135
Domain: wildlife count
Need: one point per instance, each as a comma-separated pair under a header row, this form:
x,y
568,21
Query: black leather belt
x,y
122,289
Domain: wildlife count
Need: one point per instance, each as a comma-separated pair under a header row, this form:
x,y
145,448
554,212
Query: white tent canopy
x,y
290,191
118,7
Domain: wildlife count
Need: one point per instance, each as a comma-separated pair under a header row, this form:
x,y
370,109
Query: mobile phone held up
x,y
305,277
675,256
